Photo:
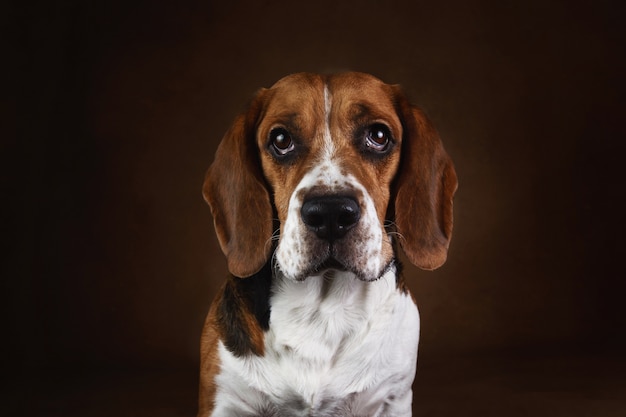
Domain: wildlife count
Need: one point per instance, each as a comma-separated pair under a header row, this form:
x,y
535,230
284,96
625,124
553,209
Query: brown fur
x,y
209,365
426,183
240,203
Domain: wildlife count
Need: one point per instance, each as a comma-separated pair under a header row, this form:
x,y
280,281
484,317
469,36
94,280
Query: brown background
x,y
114,112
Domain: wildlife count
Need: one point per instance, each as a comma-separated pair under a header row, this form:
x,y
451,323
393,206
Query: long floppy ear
x,y
236,191
424,189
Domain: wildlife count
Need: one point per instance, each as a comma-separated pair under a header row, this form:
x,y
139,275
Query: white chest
x,y
335,346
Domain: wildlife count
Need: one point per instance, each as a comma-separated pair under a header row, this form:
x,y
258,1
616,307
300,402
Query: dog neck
x,y
315,316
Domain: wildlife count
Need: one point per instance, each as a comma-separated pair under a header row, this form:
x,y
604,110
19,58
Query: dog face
x,y
329,153
344,164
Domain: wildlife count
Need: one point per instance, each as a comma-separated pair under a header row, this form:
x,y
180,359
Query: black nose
x,y
330,217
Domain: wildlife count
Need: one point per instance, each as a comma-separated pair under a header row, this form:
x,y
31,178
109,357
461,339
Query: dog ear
x,y
236,191
424,189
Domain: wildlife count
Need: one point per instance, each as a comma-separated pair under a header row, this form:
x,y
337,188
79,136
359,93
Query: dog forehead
x,y
295,90
338,80
296,101
356,85
306,100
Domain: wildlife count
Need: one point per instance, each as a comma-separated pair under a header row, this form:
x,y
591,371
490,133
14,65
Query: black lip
x,y
333,264
327,264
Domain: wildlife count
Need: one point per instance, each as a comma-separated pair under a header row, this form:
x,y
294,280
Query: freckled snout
x,y
330,217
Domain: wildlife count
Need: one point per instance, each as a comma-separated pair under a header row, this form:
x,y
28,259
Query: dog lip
x,y
332,263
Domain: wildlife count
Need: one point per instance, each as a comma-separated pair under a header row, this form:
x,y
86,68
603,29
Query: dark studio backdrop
x,y
113,111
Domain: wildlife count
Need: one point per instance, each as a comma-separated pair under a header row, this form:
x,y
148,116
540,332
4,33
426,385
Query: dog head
x,y
325,173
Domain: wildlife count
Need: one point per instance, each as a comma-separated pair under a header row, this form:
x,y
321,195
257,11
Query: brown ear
x,y
235,190
425,186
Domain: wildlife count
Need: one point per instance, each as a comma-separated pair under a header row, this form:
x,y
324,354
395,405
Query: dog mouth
x,y
330,265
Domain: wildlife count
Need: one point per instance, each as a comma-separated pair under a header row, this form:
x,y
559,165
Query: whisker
x,y
273,238
275,235
396,235
389,225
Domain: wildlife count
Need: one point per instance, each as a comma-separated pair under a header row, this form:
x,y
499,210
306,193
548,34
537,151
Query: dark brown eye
x,y
281,141
377,137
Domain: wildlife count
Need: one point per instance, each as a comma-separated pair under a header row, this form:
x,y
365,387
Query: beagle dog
x,y
311,190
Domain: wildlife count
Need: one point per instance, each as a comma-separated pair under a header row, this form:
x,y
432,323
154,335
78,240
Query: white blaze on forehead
x,y
329,147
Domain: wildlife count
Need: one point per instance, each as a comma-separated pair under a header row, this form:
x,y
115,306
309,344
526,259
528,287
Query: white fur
x,y
337,346
329,147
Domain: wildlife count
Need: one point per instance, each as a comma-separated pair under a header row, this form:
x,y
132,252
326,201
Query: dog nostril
x,y
332,217
314,215
348,216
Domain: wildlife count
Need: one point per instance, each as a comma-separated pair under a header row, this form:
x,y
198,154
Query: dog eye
x,y
281,141
378,137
